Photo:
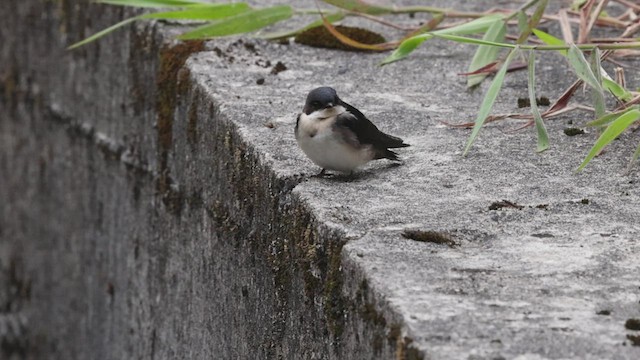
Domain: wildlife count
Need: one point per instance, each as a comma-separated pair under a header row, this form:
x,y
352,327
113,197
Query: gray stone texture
x,y
154,204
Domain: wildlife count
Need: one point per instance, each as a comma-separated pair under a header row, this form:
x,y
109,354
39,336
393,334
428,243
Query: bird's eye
x,y
315,104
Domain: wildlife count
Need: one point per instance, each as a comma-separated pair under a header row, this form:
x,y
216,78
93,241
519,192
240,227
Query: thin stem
x,y
379,20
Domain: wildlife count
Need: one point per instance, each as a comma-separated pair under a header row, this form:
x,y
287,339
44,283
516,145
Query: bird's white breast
x,y
326,147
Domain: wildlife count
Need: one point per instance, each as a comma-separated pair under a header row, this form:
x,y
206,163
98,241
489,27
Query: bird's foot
x,y
322,173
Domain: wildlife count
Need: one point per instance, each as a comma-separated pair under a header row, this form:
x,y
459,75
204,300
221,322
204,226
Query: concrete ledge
x,y
155,205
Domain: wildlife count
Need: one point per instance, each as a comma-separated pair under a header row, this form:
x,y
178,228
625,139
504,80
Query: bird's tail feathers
x,y
387,154
394,142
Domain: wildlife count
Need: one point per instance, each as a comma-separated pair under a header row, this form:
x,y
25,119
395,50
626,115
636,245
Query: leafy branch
x,y
489,30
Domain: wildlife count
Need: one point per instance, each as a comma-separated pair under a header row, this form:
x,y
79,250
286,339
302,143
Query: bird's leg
x,y
321,174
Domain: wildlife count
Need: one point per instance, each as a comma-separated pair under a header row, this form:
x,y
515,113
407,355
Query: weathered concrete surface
x,y
148,212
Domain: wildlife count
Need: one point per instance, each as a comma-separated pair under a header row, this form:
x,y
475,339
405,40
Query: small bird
x,y
337,136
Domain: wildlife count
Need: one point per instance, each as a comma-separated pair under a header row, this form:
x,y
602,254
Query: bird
x,y
337,136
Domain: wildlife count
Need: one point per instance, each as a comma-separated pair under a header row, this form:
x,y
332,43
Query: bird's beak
x,y
329,105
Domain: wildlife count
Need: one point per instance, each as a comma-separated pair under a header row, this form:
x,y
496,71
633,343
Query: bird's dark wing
x,y
365,131
295,130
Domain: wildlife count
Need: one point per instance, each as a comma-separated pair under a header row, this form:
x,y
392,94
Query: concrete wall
x,y
137,223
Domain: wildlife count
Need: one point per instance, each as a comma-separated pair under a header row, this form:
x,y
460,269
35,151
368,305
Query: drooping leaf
x,y
490,98
612,131
522,21
598,96
242,23
582,68
208,12
543,137
473,27
486,54
199,12
102,33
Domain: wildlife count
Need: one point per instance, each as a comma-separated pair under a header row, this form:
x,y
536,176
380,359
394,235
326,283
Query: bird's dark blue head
x,y
321,98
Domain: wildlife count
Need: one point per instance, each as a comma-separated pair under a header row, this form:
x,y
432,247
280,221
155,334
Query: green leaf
x,y
200,12
486,54
245,22
598,95
523,22
208,12
613,131
581,67
102,33
613,87
406,48
359,6
333,17
533,22
153,3
618,91
490,98
472,27
543,137
550,40
607,118
584,71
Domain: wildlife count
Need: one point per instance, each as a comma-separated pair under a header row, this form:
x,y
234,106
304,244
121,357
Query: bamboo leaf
x,y
486,54
581,67
523,22
598,95
550,40
102,33
613,131
618,91
242,23
208,12
473,27
200,12
490,98
543,137
607,118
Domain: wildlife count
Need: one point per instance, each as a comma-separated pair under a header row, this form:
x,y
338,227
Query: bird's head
x,y
321,98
